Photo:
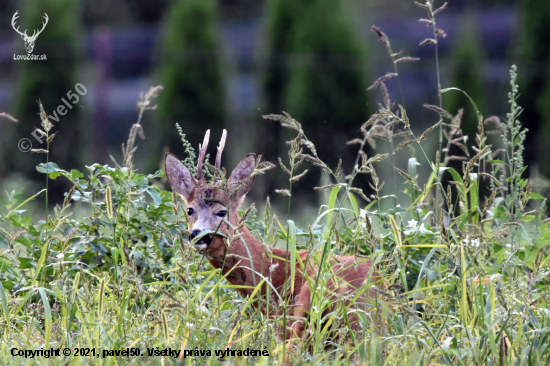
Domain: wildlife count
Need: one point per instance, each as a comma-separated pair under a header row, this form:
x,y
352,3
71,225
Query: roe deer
x,y
211,208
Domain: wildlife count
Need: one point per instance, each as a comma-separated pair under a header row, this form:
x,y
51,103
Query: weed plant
x,y
465,277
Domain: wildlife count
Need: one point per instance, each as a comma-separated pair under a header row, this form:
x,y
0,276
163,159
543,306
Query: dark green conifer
x,y
190,73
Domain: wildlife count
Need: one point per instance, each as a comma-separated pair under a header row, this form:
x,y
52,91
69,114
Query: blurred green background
x,y
224,64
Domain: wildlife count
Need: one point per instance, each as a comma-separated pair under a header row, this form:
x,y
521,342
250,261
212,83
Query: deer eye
x,y
190,211
221,213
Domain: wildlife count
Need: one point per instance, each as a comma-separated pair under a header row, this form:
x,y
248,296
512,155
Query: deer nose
x,y
193,234
206,239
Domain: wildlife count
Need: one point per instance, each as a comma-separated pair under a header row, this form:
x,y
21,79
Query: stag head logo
x,y
29,40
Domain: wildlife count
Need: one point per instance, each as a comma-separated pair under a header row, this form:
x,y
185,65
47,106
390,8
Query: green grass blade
x,y
5,306
251,298
40,263
292,248
354,203
474,200
463,302
467,96
76,282
122,313
100,303
332,202
199,290
164,327
424,265
27,200
48,318
217,285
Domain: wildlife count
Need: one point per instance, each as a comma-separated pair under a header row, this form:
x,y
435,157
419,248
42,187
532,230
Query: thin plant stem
x,y
286,266
440,98
400,87
47,181
47,194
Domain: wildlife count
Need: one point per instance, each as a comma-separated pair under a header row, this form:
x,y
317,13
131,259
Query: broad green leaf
x,y
528,218
76,174
26,263
47,167
157,199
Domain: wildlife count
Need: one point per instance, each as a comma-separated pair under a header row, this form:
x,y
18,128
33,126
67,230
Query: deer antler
x,y
202,154
13,23
34,34
220,150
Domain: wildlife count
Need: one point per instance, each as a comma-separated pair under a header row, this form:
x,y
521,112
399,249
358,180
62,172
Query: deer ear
x,y
179,177
242,173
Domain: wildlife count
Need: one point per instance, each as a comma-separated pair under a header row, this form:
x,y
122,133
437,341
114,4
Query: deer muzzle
x,y
203,243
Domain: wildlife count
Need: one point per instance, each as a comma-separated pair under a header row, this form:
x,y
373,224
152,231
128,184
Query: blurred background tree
x,y
533,54
467,64
316,72
225,63
49,81
282,27
189,70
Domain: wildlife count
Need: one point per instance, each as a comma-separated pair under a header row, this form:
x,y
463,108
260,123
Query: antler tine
x,y
37,32
220,150
46,18
14,23
202,154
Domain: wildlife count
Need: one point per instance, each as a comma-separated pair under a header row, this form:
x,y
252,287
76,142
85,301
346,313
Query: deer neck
x,y
236,260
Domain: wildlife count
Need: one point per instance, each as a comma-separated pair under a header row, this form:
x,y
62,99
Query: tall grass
x,y
465,277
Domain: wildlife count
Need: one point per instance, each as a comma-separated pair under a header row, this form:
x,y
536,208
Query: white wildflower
x,y
446,343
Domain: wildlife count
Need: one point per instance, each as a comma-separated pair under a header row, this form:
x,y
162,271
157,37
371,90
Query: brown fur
x,y
234,258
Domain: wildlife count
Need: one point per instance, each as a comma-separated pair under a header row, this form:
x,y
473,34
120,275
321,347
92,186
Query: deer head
x,y
29,41
208,204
